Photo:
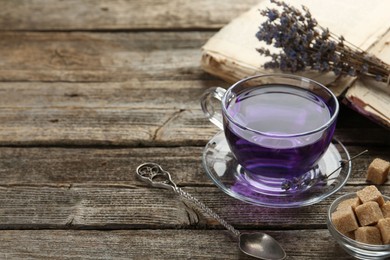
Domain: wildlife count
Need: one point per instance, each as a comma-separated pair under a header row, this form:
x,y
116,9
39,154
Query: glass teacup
x,y
277,126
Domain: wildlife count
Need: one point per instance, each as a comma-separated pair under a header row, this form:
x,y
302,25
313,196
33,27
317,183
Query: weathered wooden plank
x,y
90,167
118,15
97,188
129,126
105,126
131,207
24,207
156,244
96,113
100,56
106,167
147,112
135,94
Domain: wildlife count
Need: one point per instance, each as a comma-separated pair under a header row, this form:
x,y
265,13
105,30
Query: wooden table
x,y
91,89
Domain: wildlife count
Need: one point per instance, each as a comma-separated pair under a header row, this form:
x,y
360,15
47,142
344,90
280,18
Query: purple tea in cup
x,y
278,112
277,126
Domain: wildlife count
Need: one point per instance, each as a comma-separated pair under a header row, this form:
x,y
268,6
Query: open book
x,y
231,53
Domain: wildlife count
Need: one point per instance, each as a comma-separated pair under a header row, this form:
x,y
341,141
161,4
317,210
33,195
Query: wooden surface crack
x,y
193,217
158,132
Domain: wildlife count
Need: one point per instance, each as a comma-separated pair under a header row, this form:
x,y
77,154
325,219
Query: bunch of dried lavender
x,y
305,44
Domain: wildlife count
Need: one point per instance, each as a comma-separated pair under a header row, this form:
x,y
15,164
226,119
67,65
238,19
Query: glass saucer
x,y
229,176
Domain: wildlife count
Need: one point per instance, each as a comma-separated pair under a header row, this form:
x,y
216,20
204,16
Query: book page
x,y
371,97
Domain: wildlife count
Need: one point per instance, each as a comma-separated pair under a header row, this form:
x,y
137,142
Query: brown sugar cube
x,y
368,213
354,202
377,171
370,193
350,234
386,209
384,227
344,220
368,235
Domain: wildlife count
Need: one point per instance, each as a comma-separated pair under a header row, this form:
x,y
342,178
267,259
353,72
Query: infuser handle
x,y
208,107
154,175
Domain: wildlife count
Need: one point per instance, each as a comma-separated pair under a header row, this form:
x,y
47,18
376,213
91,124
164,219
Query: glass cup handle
x,y
209,109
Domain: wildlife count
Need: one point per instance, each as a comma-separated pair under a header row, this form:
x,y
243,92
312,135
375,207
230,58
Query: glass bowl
x,y
353,247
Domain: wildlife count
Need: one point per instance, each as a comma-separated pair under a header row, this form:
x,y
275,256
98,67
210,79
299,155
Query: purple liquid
x,y
277,110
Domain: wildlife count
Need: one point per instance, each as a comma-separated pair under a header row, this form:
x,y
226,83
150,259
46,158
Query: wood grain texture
x,y
97,189
124,127
155,101
156,244
118,15
119,126
91,89
100,57
143,112
129,207
130,113
92,167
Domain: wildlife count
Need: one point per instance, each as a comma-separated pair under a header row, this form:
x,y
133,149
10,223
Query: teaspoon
x,y
259,245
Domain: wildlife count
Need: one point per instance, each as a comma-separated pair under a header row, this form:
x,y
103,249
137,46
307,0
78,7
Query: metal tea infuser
x,y
259,245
